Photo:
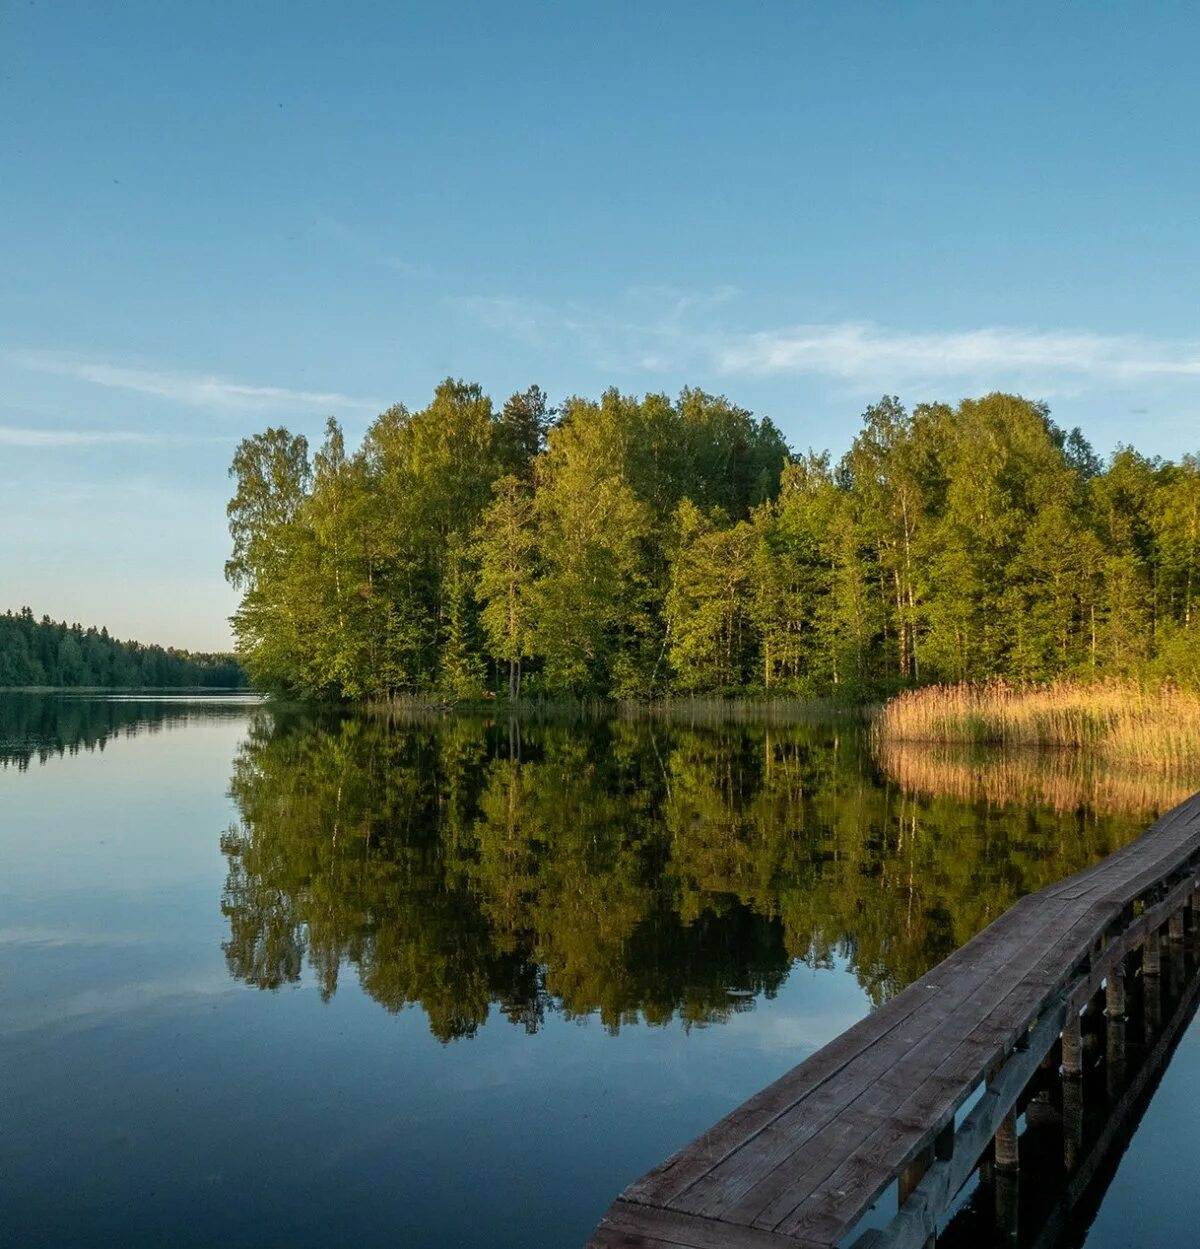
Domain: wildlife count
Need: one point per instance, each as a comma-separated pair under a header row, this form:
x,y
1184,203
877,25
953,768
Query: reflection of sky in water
x,y
150,1098
1153,1201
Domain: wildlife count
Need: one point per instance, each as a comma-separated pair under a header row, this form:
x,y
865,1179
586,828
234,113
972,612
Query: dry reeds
x,y
1118,720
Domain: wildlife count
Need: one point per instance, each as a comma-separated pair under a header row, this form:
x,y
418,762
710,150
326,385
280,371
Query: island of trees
x,y
639,548
51,653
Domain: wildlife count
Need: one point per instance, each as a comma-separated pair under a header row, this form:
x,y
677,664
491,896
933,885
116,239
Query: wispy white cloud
x,y
11,436
862,351
193,389
655,330
49,439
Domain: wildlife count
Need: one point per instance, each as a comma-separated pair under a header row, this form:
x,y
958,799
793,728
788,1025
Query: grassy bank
x,y
1118,720
715,710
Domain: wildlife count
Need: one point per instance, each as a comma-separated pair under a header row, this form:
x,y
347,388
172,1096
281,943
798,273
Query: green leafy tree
x,y
507,552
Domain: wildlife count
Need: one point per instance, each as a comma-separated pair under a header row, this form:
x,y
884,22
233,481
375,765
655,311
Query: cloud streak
x,y
857,351
12,436
51,439
192,389
664,331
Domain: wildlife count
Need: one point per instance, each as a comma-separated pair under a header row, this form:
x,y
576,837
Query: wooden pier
x,y
915,1096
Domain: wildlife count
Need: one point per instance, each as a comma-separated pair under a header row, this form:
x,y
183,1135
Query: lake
x,y
275,978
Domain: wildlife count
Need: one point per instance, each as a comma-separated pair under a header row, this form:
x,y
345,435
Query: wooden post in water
x,y
1114,992
1151,991
1072,1046
1114,1057
1008,1205
1072,1088
1175,953
1007,1149
1072,1113
1114,1030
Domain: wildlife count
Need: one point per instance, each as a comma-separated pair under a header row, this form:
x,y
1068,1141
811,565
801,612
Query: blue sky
x,y
215,217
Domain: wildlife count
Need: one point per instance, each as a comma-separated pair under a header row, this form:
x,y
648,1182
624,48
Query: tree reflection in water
x,y
629,869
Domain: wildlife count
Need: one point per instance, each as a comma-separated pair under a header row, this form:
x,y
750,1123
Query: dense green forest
x,y
46,652
636,548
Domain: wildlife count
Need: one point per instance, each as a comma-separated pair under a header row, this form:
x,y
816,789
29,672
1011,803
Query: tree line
x,y
53,653
638,548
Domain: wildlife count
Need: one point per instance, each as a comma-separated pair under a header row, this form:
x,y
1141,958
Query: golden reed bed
x,y
1118,721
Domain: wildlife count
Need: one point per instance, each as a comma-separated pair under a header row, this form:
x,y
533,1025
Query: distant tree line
x,y
47,652
636,548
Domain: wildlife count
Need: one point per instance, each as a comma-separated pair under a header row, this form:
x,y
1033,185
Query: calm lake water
x,y
274,979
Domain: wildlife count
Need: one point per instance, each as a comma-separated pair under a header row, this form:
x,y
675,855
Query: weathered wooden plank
x,y
782,1154
769,1182
846,1181
921,1105
688,1164
666,1182
917,1219
1168,840
653,1226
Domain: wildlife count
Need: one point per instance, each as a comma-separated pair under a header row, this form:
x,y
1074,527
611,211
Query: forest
x,y
627,548
49,653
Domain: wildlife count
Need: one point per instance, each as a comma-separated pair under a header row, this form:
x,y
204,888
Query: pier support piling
x,y
1007,1150
1072,1047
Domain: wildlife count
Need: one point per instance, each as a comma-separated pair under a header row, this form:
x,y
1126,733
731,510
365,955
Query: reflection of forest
x,y
42,726
631,869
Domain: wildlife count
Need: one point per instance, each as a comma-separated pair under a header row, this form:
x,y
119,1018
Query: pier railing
x,y
917,1095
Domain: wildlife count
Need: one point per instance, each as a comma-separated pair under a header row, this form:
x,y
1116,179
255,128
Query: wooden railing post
x,y
912,1174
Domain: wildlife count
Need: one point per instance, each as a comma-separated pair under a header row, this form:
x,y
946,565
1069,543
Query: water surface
x,y
270,978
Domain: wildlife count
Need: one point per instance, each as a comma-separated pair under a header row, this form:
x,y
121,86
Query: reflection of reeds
x,y
698,711
1061,779
1121,721
750,710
